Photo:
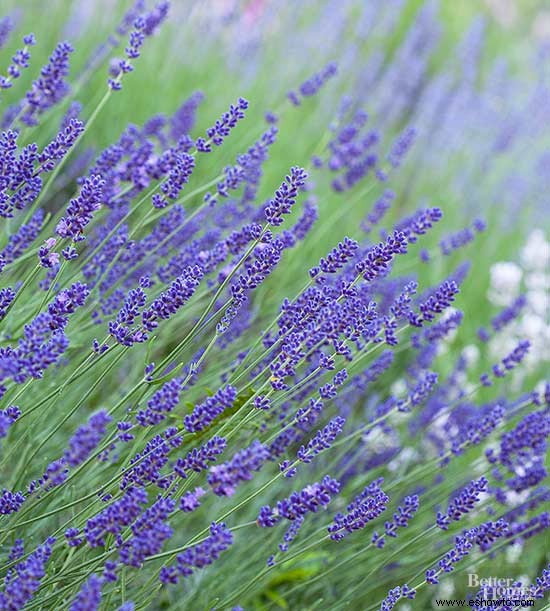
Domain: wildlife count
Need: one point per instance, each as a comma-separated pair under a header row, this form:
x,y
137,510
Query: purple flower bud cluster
x,y
400,519
223,126
10,502
395,595
111,520
308,500
43,340
144,26
206,412
149,532
313,84
89,595
81,209
477,429
19,61
508,314
19,182
48,259
463,503
285,196
364,508
190,500
482,536
197,459
161,403
376,262
436,303
60,145
225,477
182,167
401,147
523,450
352,153
148,463
171,300
336,258
20,240
51,87
459,239
509,362
86,439
419,223
323,440
7,295
265,258
7,417
121,328
200,555
183,120
381,206
21,582
291,533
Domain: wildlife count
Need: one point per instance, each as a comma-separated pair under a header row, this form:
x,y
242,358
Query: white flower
x,y
539,302
505,282
536,252
513,552
471,354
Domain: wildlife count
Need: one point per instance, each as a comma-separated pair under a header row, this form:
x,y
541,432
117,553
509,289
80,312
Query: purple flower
x,y
161,403
171,300
197,459
507,315
149,532
381,206
285,196
336,258
113,519
221,129
377,260
89,596
50,87
20,61
10,502
299,503
24,579
60,145
322,441
483,536
183,165
19,241
206,412
314,83
462,504
148,463
7,295
200,555
183,120
121,327
190,500
401,146
435,304
86,439
81,209
225,477
365,507
509,362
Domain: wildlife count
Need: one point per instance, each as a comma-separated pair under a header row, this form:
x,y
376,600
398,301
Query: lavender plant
x,y
245,360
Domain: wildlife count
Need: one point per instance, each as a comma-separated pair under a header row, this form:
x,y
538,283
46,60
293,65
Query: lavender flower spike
x,y
285,196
